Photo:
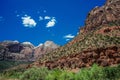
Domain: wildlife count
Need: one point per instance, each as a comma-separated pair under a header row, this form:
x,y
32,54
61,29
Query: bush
x,y
34,74
112,73
94,73
60,75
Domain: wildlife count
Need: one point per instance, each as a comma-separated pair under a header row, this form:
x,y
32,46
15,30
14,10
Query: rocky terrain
x,y
97,42
107,14
26,51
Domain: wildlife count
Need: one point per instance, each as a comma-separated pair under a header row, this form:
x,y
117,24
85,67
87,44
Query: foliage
x,y
112,73
94,73
34,74
89,41
8,64
58,74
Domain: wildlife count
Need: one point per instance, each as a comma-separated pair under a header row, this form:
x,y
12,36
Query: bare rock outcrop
x,y
107,14
44,48
101,56
26,51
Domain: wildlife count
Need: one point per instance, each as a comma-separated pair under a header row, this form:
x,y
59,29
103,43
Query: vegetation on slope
x,y
11,64
83,42
93,73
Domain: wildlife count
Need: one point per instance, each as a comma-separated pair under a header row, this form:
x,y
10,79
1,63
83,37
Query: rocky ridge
x,y
97,42
26,51
99,16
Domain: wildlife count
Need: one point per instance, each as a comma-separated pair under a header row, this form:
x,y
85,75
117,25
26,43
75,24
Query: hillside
x,y
94,54
97,42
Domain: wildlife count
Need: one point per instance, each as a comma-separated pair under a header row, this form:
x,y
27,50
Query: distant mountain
x,y
44,48
97,42
26,51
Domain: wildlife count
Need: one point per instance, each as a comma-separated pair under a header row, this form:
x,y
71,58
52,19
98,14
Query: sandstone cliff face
x,y
102,56
98,41
107,14
44,48
26,51
12,50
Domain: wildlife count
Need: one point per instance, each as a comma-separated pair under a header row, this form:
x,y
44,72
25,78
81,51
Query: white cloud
x,y
28,21
51,23
67,39
40,18
69,36
47,17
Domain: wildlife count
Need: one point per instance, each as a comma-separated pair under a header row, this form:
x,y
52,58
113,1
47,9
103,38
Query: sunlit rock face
x,y
44,48
98,42
106,14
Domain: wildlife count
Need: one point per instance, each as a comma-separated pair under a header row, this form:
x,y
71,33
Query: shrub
x,y
112,73
34,74
60,75
94,73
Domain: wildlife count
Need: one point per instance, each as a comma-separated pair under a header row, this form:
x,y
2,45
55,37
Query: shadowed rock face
x,y
106,14
15,48
12,50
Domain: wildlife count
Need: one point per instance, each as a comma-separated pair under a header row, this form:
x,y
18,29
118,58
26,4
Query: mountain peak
x,y
50,44
99,16
28,44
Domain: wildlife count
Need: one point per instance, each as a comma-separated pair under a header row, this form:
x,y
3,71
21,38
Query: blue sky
x,y
37,21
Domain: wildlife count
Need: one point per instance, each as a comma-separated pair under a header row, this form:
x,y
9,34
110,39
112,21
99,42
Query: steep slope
x,y
107,14
97,42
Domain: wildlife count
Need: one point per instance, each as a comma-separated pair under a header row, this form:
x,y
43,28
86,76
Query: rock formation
x,y
26,51
97,42
45,48
107,14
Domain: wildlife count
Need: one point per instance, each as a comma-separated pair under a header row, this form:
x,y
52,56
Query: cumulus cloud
x,y
67,39
51,23
40,18
28,21
69,36
47,17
